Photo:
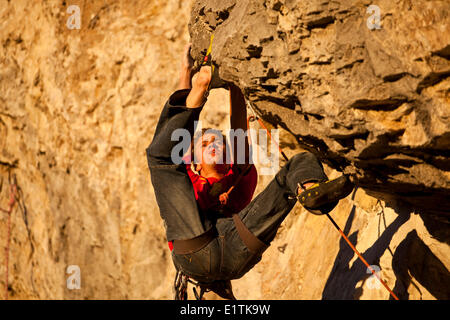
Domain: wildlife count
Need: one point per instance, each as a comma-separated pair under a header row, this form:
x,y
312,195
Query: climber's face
x,y
210,149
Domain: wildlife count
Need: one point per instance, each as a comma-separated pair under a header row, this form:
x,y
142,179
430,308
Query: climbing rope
x,y
329,217
12,201
256,117
361,257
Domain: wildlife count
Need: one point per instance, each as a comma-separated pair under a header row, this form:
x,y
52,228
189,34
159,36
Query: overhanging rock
x,y
371,102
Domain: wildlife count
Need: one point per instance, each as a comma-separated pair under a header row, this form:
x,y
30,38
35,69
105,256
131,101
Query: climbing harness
x,y
331,219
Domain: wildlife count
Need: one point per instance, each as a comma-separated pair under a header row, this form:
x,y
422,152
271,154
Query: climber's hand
x,y
187,63
202,78
200,84
186,68
223,198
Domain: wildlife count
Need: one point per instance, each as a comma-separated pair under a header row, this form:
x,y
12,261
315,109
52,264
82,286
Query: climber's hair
x,y
199,134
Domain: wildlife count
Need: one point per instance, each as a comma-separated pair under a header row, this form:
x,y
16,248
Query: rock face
x,y
78,107
372,102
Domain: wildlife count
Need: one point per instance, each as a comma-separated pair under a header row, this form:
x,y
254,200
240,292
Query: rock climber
x,y
217,236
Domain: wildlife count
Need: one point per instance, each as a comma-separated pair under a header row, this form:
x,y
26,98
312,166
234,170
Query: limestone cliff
x,y
370,102
78,107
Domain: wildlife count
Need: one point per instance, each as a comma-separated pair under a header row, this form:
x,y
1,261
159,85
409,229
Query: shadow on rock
x,y
342,281
413,259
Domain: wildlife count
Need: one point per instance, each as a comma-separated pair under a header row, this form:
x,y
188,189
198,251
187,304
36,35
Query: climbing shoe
x,y
322,197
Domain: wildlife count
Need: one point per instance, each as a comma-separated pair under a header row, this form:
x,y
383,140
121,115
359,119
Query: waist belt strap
x,y
253,244
194,244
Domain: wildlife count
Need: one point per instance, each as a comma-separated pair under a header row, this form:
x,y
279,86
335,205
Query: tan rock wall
x,y
77,110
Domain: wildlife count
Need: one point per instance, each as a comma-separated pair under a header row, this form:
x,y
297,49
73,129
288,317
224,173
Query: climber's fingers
x,y
187,61
200,88
223,198
203,77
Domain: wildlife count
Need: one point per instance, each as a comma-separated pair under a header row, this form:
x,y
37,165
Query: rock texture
x,y
77,110
79,107
373,103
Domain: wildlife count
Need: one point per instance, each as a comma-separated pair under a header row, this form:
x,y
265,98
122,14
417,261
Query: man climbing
x,y
217,232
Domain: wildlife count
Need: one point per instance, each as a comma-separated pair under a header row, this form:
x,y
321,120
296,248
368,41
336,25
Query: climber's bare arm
x,y
186,68
185,79
200,83
238,120
200,80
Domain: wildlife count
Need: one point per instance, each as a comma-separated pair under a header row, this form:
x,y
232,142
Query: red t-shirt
x,y
208,190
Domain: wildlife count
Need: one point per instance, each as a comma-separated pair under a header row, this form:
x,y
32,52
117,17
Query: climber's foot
x,y
322,197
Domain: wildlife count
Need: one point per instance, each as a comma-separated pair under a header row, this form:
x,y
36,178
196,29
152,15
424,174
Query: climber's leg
x,y
173,188
266,212
321,198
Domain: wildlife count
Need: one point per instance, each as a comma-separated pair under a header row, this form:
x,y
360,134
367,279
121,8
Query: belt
x,y
195,244
189,246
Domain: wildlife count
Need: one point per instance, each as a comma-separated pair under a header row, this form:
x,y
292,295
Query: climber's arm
x,y
200,81
180,112
186,69
238,120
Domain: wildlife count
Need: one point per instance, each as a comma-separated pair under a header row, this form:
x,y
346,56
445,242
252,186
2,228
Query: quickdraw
x,y
181,285
207,61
